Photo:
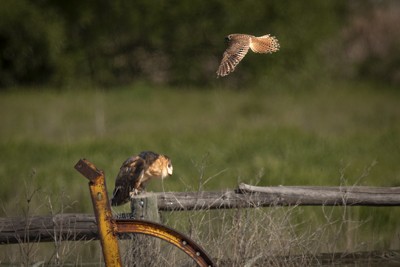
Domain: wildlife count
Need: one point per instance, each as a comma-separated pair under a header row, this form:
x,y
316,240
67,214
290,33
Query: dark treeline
x,y
108,43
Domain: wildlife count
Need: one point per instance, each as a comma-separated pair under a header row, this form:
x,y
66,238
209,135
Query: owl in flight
x,y
238,46
136,171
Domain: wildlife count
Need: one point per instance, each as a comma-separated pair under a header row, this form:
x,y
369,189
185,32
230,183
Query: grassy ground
x,y
328,134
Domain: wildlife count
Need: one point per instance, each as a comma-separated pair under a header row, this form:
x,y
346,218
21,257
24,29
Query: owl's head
x,y
167,166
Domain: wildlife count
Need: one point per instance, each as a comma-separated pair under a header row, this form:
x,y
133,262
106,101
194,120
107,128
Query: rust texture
x,y
102,210
168,234
88,170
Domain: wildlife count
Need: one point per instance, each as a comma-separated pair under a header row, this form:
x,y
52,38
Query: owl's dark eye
x,y
169,165
227,39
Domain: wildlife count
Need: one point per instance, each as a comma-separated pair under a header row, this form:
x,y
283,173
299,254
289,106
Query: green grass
x,y
320,135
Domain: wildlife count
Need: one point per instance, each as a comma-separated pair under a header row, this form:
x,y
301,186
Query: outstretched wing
x,y
129,177
237,49
264,44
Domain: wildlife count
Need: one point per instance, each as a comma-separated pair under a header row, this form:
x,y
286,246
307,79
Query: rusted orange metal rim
x,y
168,234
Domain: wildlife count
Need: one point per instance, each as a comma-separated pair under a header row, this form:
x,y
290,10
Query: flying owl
x,y
136,171
238,46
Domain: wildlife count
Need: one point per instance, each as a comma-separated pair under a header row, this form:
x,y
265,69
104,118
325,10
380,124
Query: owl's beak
x,y
170,170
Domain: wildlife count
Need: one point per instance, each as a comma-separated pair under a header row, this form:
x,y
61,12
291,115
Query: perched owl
x,y
238,46
136,171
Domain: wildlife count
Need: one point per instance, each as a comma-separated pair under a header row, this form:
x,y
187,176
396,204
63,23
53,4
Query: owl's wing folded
x,y
129,178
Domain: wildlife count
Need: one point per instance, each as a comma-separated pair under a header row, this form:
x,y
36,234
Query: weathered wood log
x,y
181,201
329,195
247,196
48,228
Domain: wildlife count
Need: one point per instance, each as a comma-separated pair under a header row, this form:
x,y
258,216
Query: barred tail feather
x,y
264,44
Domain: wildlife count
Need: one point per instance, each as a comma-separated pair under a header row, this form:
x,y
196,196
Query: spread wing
x,y
130,177
235,52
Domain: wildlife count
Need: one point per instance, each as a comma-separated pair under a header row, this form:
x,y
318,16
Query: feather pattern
x,y
136,171
238,46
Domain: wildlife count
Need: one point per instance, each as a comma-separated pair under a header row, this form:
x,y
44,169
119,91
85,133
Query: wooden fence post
x,y
145,207
143,249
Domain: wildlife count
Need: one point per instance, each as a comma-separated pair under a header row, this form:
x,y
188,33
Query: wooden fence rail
x,y
247,196
59,227
83,226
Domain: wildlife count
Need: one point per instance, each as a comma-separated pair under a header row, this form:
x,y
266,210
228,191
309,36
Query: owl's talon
x,y
133,193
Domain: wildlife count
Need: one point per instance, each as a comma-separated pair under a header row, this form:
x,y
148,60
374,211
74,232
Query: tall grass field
x,y
327,135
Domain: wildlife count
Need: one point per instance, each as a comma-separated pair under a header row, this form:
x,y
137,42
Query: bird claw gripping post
x,y
109,228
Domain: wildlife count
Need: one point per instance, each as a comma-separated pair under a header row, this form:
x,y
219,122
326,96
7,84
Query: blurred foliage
x,y
371,42
107,43
30,43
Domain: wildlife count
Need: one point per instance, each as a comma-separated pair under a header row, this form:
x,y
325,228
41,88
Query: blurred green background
x,y
108,43
104,80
